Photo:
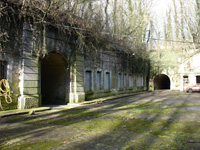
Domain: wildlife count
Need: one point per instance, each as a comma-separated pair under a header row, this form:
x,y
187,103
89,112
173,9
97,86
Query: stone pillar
x,y
30,73
77,93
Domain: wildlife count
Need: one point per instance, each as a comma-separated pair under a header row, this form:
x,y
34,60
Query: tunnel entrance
x,y
161,82
53,79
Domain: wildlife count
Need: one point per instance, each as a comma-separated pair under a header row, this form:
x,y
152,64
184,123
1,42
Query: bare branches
x,y
115,18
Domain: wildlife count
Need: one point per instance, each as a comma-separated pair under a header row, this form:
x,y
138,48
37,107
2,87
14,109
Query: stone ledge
x,y
20,112
98,100
111,97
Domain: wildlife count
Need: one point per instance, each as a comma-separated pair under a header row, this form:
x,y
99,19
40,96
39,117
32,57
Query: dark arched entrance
x,y
53,79
161,81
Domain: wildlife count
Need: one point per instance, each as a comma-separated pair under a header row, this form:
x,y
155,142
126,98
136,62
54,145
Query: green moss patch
x,y
152,107
71,117
100,124
32,145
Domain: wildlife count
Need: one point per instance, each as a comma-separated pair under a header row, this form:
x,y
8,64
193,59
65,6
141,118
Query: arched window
x,y
88,80
130,78
99,80
120,80
107,83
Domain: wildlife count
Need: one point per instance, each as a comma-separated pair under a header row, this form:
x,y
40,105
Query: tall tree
x,y
176,22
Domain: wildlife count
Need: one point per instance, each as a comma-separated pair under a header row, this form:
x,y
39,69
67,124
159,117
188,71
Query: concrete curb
x,y
20,112
111,98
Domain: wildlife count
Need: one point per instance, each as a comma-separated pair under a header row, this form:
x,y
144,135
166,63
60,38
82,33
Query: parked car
x,y
194,88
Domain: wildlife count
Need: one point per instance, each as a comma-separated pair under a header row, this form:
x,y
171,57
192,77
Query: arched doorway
x,y
53,79
161,81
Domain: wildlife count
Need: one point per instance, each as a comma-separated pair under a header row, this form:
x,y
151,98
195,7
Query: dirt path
x,y
154,120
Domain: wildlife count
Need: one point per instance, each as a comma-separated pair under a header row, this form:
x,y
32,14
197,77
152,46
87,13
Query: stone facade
x,y
111,73
179,69
68,74
189,73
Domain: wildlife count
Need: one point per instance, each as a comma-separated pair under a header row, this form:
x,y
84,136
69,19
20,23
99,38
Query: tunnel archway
x,y
161,82
53,79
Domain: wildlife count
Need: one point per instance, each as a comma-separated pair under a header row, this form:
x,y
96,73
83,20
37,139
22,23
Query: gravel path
x,y
136,122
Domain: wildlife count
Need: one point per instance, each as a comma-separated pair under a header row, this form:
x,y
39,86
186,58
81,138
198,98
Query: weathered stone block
x,y
80,69
79,74
77,97
78,84
31,91
26,102
80,79
31,102
31,62
31,77
27,47
31,84
78,89
28,69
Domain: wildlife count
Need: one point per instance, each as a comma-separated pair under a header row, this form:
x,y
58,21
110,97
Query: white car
x,y
194,88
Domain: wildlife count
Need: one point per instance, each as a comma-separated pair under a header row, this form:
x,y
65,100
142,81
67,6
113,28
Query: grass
x,y
152,107
40,145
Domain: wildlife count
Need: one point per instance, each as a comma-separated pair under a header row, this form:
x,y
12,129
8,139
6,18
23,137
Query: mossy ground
x,y
125,123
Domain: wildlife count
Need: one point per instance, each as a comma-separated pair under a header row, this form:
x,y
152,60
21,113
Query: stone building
x,y
190,71
177,69
66,73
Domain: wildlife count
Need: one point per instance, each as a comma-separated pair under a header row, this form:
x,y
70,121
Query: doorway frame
x,y
67,76
158,75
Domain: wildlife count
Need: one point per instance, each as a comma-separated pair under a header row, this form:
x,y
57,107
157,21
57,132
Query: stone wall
x,y
13,71
112,72
109,71
29,84
190,70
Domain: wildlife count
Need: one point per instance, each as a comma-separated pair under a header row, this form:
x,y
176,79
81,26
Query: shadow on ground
x,y
157,120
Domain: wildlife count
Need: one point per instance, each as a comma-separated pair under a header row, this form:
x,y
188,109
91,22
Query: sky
x,y
159,10
161,6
